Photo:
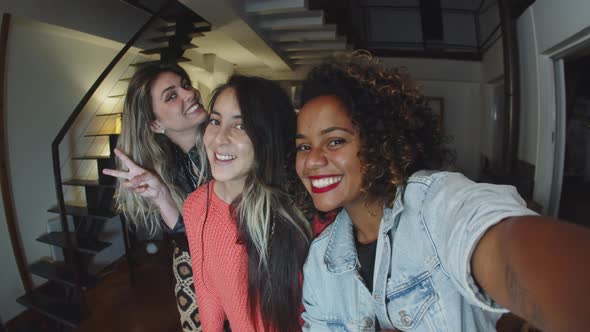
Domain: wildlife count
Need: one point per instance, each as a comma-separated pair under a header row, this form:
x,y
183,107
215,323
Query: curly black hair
x,y
399,133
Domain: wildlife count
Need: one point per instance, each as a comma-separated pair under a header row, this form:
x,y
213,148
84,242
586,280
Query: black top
x,y
184,177
366,255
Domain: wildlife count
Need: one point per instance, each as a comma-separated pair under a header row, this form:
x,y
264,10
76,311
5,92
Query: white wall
x,y
459,83
556,21
492,65
462,112
545,30
493,73
47,75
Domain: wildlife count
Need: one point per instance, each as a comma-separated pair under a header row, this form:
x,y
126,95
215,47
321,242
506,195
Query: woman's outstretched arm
x,y
539,268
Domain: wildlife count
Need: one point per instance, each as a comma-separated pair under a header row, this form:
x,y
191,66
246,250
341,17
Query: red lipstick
x,y
317,190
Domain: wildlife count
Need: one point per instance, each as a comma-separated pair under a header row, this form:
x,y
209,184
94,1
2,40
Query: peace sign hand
x,y
141,181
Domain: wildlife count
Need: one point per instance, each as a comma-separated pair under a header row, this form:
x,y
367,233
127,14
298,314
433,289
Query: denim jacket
x,y
422,279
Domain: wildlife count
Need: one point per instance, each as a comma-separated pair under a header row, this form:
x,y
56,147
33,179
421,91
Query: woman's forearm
x,y
168,210
539,268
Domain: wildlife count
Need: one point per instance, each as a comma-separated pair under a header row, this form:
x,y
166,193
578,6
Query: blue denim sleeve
x,y
457,212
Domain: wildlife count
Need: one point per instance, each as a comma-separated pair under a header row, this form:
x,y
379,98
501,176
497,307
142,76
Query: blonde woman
x,y
161,161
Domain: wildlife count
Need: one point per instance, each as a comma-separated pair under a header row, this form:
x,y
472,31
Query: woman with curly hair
x,y
414,249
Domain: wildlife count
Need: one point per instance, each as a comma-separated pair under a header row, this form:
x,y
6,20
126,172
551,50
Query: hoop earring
x,y
371,212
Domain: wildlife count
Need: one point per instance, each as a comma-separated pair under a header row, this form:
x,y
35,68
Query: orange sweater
x,y
220,264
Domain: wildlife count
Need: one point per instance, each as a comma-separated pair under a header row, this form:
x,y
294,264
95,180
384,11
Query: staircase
x,y
169,33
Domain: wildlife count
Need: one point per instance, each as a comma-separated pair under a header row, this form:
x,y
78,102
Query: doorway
x,y
575,189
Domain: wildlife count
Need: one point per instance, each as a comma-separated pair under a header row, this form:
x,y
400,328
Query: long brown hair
x,y
274,231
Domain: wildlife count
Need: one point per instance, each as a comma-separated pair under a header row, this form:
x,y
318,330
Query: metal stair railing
x,y
71,119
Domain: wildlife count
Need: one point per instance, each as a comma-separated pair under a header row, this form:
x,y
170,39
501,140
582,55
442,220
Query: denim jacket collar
x,y
341,253
388,220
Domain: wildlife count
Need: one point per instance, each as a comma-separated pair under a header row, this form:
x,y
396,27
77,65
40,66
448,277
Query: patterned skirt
x,y
185,289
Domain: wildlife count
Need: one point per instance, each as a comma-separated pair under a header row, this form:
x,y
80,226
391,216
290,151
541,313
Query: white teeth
x,y
322,183
224,156
192,109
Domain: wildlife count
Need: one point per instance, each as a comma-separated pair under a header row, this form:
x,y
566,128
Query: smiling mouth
x,y
224,157
196,106
325,183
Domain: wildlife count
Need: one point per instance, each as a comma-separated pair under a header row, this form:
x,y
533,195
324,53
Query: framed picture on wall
x,y
437,104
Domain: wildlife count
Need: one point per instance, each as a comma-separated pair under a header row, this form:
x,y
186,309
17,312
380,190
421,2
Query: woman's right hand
x,y
148,185
140,180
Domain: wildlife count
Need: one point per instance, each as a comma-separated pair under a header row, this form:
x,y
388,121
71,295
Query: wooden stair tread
x,y
60,273
58,239
163,48
89,157
87,183
50,303
109,114
82,211
167,38
137,64
199,27
100,134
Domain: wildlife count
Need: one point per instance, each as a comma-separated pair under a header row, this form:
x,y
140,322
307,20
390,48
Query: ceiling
x,y
281,38
269,38
286,35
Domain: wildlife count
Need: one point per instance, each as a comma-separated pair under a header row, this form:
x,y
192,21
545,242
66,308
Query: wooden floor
x,y
144,302
141,301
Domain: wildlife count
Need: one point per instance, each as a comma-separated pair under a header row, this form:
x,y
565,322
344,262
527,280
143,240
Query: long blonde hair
x,y
149,150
